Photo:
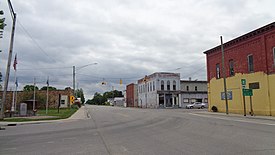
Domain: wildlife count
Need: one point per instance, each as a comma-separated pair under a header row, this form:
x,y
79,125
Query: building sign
x,y
255,85
247,92
229,95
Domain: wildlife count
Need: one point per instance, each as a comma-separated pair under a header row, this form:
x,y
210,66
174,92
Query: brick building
x,y
23,96
250,57
131,95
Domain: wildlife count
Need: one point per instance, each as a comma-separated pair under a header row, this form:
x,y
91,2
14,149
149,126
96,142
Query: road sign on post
x,y
247,92
243,81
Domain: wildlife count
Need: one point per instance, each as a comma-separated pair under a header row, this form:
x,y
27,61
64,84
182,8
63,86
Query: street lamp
x,y
74,68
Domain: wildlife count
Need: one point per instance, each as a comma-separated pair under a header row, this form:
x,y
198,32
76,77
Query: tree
x,y
101,99
97,100
113,94
79,94
30,88
50,88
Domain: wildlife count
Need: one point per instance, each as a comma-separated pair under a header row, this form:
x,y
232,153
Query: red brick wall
x,y
40,97
260,46
269,45
130,99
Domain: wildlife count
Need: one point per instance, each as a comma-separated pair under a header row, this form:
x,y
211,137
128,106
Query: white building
x,y
158,90
193,91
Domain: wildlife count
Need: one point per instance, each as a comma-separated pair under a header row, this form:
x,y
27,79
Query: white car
x,y
198,105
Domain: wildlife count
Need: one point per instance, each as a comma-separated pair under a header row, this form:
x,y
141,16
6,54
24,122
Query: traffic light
x,y
72,98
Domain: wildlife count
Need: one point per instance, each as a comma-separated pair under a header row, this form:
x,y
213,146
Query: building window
x,y
218,73
187,88
168,85
162,85
274,56
250,63
174,85
231,68
193,100
150,86
62,101
196,88
153,85
206,100
185,100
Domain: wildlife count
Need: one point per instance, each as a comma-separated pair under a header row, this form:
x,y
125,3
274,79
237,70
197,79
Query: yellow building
x,y
250,57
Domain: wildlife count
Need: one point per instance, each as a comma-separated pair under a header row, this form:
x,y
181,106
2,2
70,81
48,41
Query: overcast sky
x,y
128,39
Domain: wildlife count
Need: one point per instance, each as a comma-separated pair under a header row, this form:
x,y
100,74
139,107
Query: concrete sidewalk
x,y
80,114
248,116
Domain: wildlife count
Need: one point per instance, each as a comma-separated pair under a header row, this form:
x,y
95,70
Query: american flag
x,y
15,62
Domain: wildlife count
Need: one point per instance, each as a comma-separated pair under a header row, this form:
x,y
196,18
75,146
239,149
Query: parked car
x,y
198,105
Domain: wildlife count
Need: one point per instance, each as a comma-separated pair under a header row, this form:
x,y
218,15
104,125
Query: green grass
x,y
63,113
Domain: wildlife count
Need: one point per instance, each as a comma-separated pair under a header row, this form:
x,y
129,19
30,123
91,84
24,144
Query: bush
x,y
214,109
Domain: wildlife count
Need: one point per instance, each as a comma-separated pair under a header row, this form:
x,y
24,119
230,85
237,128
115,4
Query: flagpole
x,y
13,94
33,105
47,102
12,105
15,100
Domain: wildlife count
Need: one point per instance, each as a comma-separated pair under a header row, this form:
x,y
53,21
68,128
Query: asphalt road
x,y
118,131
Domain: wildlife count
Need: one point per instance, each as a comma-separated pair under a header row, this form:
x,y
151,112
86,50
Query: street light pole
x,y
74,68
74,80
9,61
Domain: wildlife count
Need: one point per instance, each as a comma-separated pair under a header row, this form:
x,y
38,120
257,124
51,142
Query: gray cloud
x,y
128,39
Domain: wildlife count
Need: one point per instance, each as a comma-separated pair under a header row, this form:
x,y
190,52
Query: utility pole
x,y
224,78
74,80
9,60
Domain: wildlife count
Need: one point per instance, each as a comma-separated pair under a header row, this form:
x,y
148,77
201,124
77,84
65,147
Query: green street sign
x,y
243,81
247,92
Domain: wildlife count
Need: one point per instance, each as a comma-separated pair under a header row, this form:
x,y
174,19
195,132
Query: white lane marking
x,y
13,148
124,115
236,120
50,142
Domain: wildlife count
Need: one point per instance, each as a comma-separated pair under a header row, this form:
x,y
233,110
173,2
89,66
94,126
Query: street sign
x,y
243,81
229,95
247,92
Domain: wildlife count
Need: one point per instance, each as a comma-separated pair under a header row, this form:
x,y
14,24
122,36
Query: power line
x,y
194,72
44,68
35,42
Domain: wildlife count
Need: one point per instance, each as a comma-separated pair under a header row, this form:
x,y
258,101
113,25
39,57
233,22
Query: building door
x,y
161,100
169,100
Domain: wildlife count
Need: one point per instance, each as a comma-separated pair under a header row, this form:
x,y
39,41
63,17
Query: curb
x,y
268,118
71,118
